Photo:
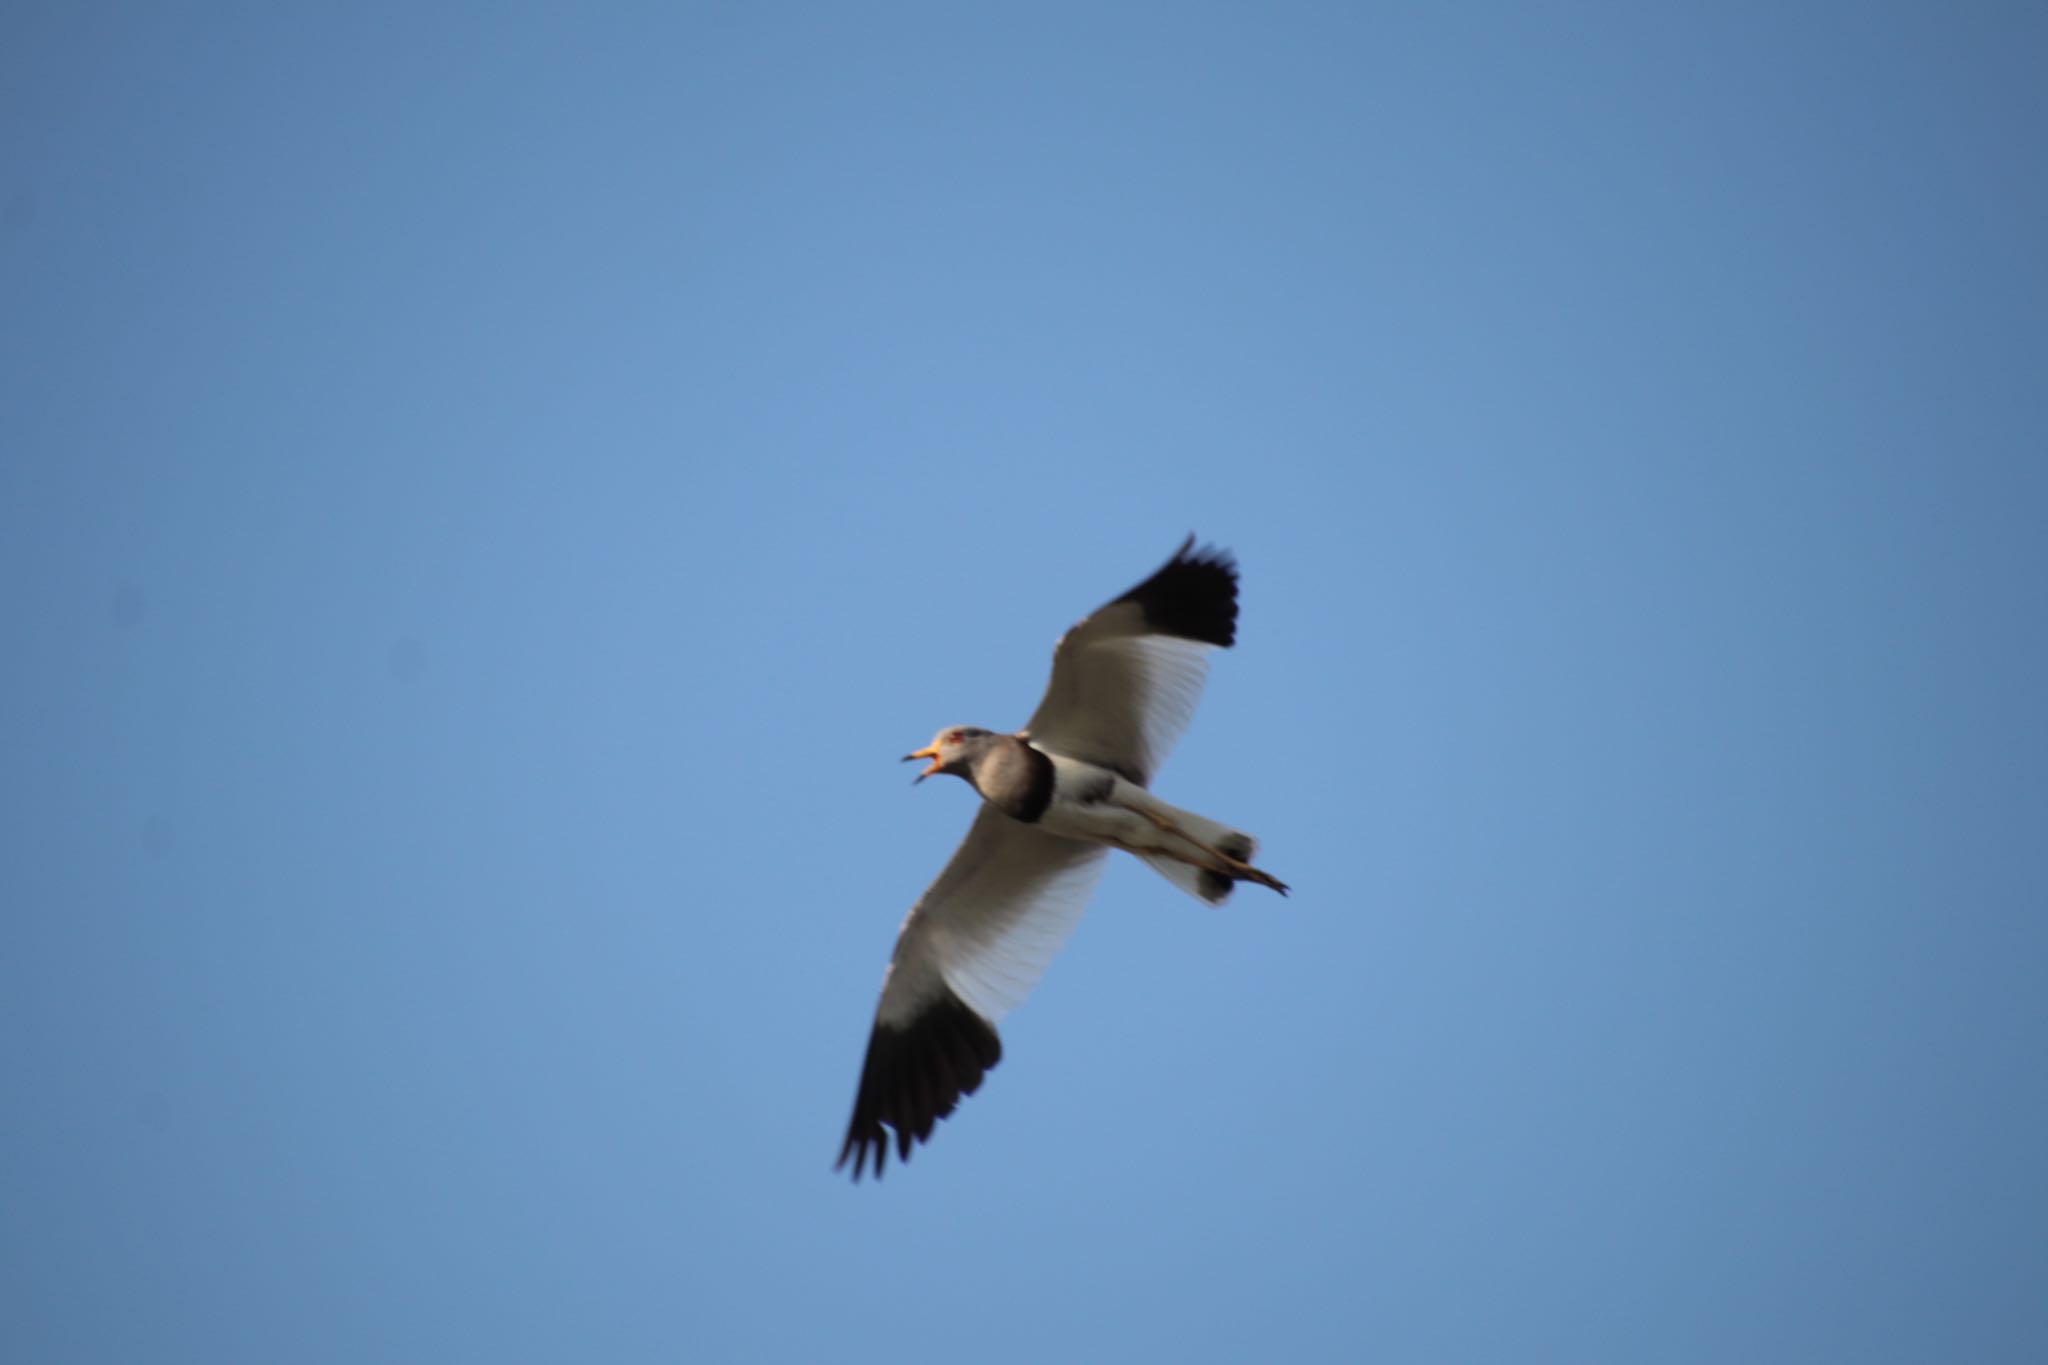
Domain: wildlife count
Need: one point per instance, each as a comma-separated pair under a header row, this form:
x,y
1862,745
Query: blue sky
x,y
487,495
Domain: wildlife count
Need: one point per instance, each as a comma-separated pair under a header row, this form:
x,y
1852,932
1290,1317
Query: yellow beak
x,y
929,751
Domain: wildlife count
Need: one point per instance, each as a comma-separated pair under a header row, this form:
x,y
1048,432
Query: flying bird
x,y
1056,797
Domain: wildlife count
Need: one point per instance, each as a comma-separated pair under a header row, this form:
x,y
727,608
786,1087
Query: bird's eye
x,y
955,737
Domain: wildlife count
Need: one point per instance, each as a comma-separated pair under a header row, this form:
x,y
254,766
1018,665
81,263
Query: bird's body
x,y
1098,806
1057,796
1079,800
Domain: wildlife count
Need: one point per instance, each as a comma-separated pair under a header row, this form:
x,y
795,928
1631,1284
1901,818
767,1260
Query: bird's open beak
x,y
928,751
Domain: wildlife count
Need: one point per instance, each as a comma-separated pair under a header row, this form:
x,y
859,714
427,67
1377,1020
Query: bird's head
x,y
952,750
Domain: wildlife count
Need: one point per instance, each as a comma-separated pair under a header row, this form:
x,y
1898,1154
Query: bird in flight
x,y
1056,797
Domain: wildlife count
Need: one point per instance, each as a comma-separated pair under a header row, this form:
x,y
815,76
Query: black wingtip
x,y
915,1075
1193,596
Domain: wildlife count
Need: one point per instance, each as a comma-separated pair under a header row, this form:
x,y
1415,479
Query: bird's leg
x,y
1177,832
1263,878
1171,828
1232,867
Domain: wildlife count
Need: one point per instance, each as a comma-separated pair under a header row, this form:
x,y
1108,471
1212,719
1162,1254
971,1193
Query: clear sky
x,y
487,495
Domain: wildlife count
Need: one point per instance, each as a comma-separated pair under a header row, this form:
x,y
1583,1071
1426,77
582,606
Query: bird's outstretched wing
x,y
971,949
1126,680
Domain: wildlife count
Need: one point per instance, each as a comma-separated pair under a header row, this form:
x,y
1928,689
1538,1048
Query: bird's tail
x,y
1188,864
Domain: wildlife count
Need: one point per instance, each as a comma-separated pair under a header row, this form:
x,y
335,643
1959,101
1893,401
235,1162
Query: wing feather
x,y
1126,680
971,949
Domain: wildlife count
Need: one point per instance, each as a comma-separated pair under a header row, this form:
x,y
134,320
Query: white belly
x,y
1095,805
